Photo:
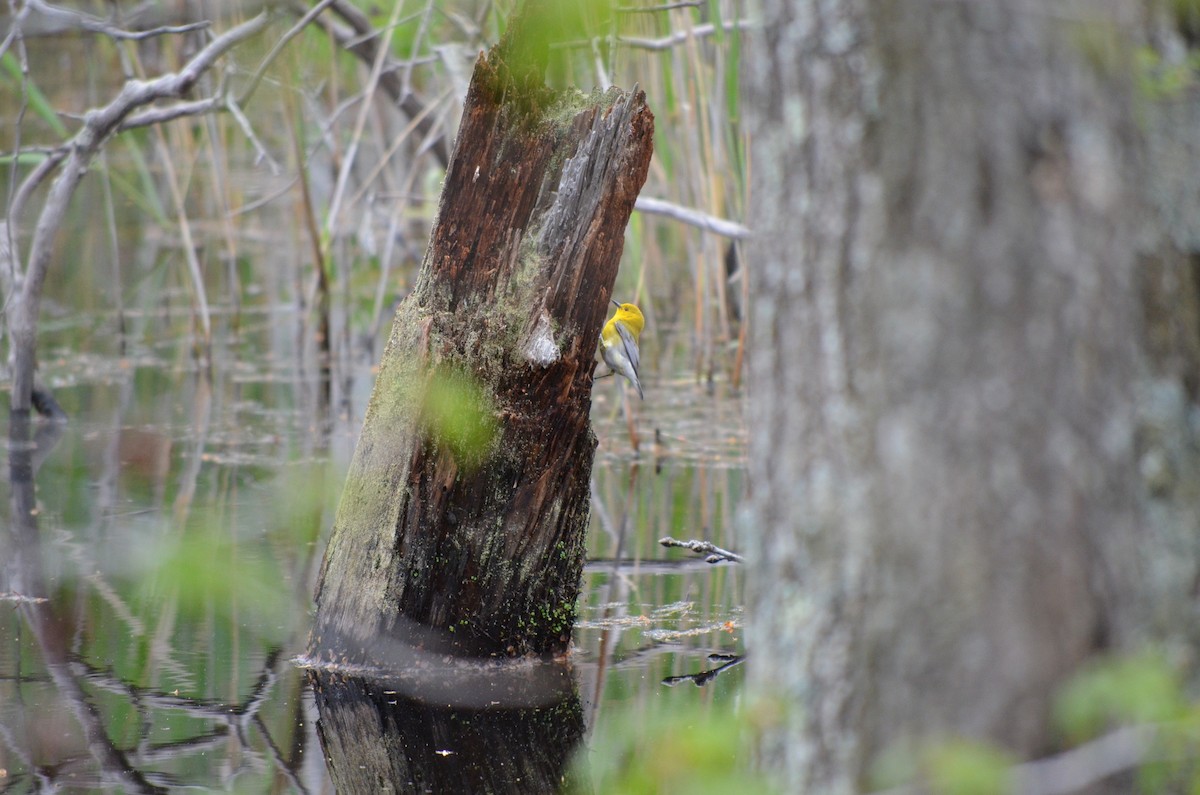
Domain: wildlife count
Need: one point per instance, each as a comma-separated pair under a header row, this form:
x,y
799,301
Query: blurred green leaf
x,y
694,749
964,767
207,570
37,100
1138,689
460,415
1156,79
547,24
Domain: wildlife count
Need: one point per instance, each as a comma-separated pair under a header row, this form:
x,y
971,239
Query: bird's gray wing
x,y
629,346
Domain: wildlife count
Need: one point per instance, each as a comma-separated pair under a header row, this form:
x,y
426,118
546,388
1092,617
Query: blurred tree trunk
x,y
462,524
947,336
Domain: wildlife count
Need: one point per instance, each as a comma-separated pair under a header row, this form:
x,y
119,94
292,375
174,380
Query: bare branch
x,y
99,124
279,45
363,40
15,29
28,186
171,112
174,85
135,21
696,218
68,20
235,110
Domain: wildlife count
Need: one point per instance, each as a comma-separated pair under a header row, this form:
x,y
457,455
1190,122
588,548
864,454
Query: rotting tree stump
x,y
462,524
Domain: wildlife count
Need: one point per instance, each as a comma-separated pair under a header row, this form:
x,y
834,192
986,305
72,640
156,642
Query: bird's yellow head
x,y
631,317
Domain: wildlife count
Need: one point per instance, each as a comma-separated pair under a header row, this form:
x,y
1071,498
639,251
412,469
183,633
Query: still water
x,y
162,547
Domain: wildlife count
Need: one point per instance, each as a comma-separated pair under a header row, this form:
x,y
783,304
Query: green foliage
x,y
460,415
694,749
206,570
964,767
147,197
302,496
38,102
538,40
1157,79
1138,689
1142,690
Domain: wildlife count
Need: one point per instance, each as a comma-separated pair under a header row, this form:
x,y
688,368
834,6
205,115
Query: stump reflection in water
x,y
505,728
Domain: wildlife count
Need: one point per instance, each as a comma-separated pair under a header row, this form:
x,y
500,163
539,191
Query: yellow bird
x,y
619,342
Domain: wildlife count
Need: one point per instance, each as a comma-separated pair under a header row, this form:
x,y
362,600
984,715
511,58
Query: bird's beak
x,y
616,304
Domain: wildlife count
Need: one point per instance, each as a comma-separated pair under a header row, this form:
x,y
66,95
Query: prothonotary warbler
x,y
619,342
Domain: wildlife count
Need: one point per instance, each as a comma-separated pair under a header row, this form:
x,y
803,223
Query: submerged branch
x,y
701,678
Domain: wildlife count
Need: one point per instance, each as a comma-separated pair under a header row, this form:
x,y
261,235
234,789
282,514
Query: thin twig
x,y
16,27
235,110
416,46
77,20
401,22
664,43
362,40
347,165
680,36
278,48
10,256
395,145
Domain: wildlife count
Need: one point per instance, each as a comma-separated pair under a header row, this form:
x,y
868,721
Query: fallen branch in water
x,y
714,552
701,678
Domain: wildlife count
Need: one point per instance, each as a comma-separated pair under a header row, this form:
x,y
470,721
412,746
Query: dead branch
x,y
39,19
65,19
99,124
696,218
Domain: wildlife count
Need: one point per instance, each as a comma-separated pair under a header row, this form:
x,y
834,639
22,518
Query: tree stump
x,y
461,527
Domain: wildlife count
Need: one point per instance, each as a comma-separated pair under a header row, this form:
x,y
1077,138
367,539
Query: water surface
x,y
159,567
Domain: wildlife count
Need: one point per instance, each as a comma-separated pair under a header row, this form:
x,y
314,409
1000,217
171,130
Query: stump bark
x,y
461,527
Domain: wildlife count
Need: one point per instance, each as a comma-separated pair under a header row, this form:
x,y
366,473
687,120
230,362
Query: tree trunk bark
x,y
461,527
945,347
